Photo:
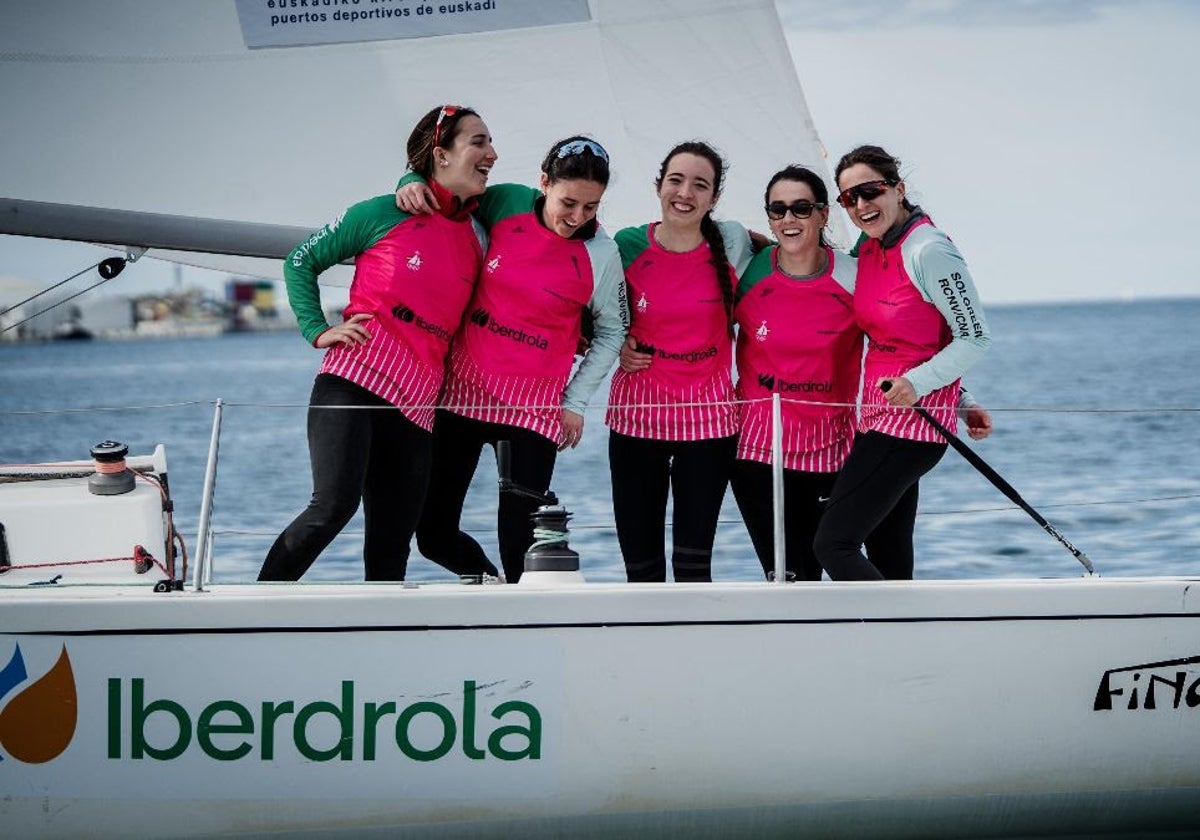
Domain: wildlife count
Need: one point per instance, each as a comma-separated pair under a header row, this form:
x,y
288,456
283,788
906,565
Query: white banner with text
x,y
292,23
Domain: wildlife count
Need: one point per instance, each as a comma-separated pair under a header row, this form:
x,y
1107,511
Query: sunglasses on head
x,y
447,111
800,209
578,147
867,191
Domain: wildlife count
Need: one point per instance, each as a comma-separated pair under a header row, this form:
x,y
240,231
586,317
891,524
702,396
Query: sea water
x,y
1096,408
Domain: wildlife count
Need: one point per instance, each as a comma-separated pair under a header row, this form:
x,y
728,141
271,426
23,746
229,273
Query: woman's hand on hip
x,y
350,333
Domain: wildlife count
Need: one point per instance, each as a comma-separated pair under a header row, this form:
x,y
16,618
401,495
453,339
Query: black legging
x,y
696,473
803,494
377,455
457,444
874,501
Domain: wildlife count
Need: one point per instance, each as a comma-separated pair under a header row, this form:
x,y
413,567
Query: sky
x,y
1054,140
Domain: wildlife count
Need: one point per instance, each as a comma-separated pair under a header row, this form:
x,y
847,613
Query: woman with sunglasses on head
x,y
917,303
510,367
672,421
370,413
796,337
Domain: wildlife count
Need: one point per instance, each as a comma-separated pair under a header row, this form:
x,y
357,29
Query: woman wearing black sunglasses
x,y
917,303
509,376
797,337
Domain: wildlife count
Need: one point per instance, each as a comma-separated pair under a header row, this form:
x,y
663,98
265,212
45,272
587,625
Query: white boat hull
x,y
957,709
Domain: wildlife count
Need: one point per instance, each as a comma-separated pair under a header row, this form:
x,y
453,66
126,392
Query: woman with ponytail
x,y
371,410
919,306
672,422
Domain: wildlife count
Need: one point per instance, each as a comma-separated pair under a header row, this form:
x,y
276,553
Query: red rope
x,y
175,536
140,555
118,467
111,467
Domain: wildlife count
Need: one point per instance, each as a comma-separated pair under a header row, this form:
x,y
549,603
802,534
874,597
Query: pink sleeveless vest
x,y
416,281
904,330
512,358
798,338
687,392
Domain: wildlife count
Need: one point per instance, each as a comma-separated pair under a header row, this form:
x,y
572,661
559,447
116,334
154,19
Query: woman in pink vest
x,y
371,409
918,306
672,421
510,373
797,337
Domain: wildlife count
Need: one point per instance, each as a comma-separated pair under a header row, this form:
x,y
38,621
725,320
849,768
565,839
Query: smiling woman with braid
x,y
672,421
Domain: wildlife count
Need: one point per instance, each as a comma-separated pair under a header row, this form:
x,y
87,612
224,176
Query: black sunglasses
x,y
867,191
800,209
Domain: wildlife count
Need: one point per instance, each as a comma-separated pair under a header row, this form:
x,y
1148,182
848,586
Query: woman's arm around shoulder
x,y
740,244
413,195
610,311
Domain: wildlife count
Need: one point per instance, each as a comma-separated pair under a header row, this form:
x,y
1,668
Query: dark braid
x,y
708,228
720,261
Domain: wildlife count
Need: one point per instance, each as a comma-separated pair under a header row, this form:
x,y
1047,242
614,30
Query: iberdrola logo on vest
x,y
37,722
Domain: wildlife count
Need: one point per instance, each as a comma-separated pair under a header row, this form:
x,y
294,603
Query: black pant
x,y
457,444
696,473
874,501
375,454
803,494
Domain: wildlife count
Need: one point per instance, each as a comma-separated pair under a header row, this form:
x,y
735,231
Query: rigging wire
x,y
37,295
107,268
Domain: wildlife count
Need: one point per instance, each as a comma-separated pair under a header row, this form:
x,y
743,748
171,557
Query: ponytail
x,y
720,261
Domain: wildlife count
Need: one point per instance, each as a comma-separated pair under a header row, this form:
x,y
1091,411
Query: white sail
x,y
138,105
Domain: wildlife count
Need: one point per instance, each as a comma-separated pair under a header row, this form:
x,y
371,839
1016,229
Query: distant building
x,y
12,292
249,304
259,294
96,316
252,305
184,313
